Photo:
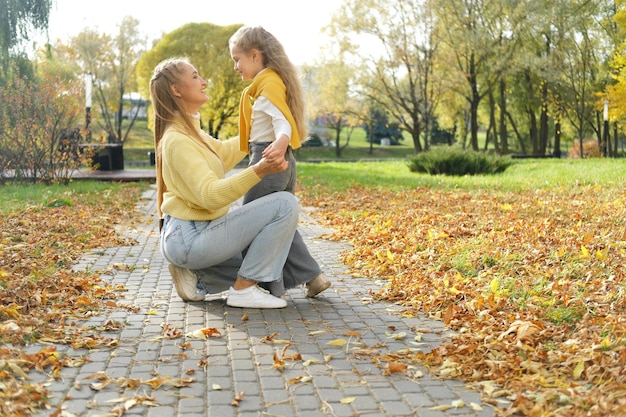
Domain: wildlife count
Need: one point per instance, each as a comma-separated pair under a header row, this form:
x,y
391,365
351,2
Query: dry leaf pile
x,y
533,283
43,300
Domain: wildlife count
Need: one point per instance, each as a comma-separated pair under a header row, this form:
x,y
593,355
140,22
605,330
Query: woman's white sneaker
x,y
253,297
186,283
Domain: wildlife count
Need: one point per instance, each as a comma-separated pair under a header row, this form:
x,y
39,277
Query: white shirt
x,y
268,123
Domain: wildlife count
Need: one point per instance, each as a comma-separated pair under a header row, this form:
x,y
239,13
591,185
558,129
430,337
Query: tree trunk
x,y
543,120
533,131
504,134
416,141
557,139
581,123
519,137
474,102
337,139
492,123
615,140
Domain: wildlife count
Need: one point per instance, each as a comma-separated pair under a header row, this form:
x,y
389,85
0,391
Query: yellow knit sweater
x,y
269,85
197,188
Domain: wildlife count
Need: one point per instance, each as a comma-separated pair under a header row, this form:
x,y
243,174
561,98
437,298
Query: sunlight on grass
x,y
16,197
522,175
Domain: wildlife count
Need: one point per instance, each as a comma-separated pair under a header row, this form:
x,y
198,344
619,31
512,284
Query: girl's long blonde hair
x,y
168,110
248,38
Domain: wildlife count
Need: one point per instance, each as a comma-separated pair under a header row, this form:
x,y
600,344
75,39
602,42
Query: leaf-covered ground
x,y
42,299
533,283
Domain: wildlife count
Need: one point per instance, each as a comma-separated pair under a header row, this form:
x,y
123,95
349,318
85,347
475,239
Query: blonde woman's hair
x,y
168,110
248,38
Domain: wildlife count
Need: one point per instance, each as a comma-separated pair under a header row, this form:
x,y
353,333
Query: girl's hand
x,y
276,150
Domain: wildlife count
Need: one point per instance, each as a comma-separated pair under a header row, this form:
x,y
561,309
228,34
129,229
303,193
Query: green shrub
x,y
454,161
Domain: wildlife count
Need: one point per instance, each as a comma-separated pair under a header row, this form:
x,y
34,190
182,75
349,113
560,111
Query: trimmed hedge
x,y
454,161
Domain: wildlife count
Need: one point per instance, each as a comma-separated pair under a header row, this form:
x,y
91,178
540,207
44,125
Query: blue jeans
x,y
264,227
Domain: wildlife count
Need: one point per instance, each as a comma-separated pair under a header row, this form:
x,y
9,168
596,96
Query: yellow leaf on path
x,y
299,379
337,342
281,342
158,381
396,336
347,400
442,407
14,366
578,370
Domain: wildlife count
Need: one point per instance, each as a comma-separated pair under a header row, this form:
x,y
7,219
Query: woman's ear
x,y
174,91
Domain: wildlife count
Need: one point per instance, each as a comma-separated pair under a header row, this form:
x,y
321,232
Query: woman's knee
x,y
289,200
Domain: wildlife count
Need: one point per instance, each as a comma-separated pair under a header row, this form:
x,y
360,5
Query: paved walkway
x,y
239,365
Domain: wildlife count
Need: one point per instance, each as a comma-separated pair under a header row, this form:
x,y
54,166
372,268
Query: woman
x,y
199,234
271,125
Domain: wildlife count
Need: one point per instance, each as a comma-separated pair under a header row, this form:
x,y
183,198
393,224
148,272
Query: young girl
x,y
271,125
200,234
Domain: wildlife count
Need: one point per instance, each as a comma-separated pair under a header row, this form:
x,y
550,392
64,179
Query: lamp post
x,y
605,131
88,86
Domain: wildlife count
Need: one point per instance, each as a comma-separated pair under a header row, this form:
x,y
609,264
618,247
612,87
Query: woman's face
x,y
191,87
247,64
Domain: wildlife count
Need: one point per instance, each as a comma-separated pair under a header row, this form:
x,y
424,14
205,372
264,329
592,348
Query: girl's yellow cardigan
x,y
267,84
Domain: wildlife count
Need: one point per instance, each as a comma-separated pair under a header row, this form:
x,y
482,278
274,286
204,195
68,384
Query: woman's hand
x,y
268,166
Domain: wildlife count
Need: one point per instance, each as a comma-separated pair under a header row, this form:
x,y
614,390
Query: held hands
x,y
273,158
268,166
275,151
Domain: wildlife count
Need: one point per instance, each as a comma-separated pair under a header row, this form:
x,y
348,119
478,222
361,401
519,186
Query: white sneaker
x,y
186,283
253,297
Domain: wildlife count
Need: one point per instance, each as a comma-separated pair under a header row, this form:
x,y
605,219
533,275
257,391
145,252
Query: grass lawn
x,y
524,174
18,197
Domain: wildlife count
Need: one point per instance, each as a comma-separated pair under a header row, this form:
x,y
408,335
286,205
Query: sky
x,y
297,25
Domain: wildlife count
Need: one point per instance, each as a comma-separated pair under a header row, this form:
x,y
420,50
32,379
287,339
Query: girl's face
x,y
247,64
191,88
